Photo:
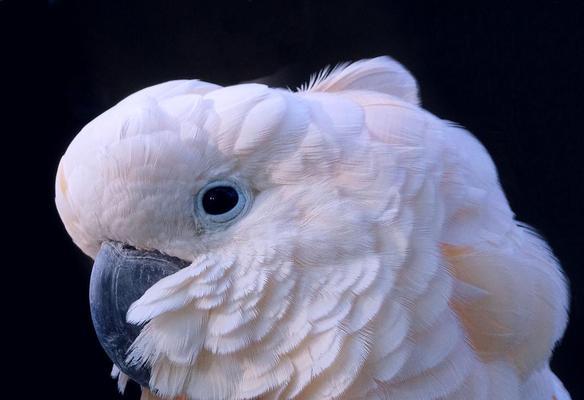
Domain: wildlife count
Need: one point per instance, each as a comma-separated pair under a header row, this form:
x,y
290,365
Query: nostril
x,y
127,247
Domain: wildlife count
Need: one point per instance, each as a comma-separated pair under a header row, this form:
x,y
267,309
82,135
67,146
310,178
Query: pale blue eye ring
x,y
221,202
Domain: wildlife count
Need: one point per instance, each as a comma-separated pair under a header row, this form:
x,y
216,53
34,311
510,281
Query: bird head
x,y
247,240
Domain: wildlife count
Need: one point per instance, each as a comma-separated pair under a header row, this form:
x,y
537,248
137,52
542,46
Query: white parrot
x,y
336,242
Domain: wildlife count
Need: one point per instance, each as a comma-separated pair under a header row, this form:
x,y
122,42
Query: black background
x,y
511,73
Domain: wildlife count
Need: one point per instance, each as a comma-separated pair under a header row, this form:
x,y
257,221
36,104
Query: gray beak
x,y
120,276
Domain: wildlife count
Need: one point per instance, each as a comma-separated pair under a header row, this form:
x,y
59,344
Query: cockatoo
x,y
334,242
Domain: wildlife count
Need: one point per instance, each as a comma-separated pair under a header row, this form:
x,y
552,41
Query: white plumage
x,y
379,259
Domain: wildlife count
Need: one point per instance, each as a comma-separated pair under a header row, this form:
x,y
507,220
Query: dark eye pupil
x,y
219,200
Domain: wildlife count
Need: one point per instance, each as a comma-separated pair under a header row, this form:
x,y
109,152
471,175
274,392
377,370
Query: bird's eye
x,y
220,202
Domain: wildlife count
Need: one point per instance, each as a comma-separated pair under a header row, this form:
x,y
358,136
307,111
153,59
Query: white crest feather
x,y
380,74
